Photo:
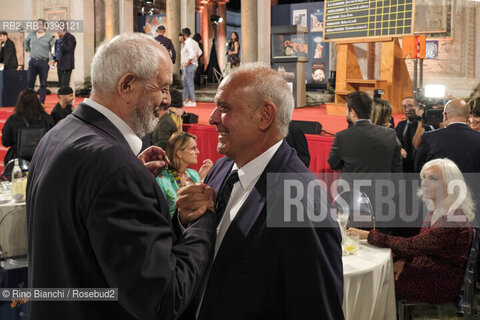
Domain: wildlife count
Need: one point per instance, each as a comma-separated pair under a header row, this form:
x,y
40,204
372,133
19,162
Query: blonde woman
x,y
430,266
182,151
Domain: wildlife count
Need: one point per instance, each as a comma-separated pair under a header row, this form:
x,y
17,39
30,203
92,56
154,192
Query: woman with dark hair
x,y
233,47
28,112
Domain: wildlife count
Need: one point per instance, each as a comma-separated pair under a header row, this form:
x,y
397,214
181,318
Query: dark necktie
x,y
224,194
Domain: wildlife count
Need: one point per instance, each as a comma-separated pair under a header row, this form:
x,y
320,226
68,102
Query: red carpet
x,y
207,135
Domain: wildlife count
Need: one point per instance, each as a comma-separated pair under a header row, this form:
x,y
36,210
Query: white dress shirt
x,y
190,50
248,176
133,140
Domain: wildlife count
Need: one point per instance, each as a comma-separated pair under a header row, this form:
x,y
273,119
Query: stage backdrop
x,y
309,15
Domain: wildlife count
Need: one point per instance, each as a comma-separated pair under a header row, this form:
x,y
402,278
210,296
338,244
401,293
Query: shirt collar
x,y
133,140
252,170
457,122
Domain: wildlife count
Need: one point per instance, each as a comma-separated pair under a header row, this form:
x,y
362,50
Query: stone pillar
x,y
264,29
249,44
126,17
187,13
109,19
222,36
207,30
174,28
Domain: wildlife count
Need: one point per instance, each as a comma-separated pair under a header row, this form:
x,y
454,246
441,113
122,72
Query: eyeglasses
x,y
191,149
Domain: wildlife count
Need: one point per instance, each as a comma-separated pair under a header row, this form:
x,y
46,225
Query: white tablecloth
x,y
13,229
369,287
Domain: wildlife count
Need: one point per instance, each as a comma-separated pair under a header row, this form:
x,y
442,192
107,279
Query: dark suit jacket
x,y
365,147
297,140
97,219
265,272
457,142
8,55
67,60
406,142
167,43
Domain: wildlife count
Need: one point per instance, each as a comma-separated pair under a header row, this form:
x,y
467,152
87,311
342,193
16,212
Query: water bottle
x,y
17,181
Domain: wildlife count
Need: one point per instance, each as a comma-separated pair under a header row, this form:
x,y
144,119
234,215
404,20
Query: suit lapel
x,y
240,227
87,114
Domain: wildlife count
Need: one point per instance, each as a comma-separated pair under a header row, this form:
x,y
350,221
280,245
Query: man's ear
x,y
267,115
126,85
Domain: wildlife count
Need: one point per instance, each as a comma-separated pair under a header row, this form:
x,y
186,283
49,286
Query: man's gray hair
x,y
127,52
269,86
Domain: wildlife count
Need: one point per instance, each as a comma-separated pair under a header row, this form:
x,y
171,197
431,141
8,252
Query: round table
x,y
368,284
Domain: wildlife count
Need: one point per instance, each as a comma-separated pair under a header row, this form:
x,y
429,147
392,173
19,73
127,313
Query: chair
x,y
359,207
7,170
466,298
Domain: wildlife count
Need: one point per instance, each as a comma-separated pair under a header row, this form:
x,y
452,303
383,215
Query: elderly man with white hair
x,y
96,216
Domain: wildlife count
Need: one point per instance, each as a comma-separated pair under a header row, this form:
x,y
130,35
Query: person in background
x,y
28,112
39,44
474,119
233,49
381,112
165,42
297,140
382,116
183,152
430,266
170,122
457,141
201,63
352,148
64,57
190,53
64,106
8,53
405,132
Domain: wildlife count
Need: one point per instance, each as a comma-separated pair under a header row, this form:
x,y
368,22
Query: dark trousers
x,y
64,78
40,68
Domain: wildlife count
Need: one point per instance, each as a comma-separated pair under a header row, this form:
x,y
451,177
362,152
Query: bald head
x,y
264,84
456,110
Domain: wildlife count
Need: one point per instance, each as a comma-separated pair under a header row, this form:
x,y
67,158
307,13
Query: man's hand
x,y
193,200
154,159
398,268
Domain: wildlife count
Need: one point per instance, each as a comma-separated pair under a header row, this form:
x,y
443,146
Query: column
x,y
222,36
264,15
187,13
249,20
207,30
126,17
109,19
174,28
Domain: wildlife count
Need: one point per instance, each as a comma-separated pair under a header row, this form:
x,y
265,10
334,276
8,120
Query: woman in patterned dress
x,y
430,266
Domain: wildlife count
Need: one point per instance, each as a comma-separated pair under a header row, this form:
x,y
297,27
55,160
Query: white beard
x,y
143,118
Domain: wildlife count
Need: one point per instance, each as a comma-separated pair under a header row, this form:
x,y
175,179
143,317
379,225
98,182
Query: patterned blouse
x,y
169,183
435,258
